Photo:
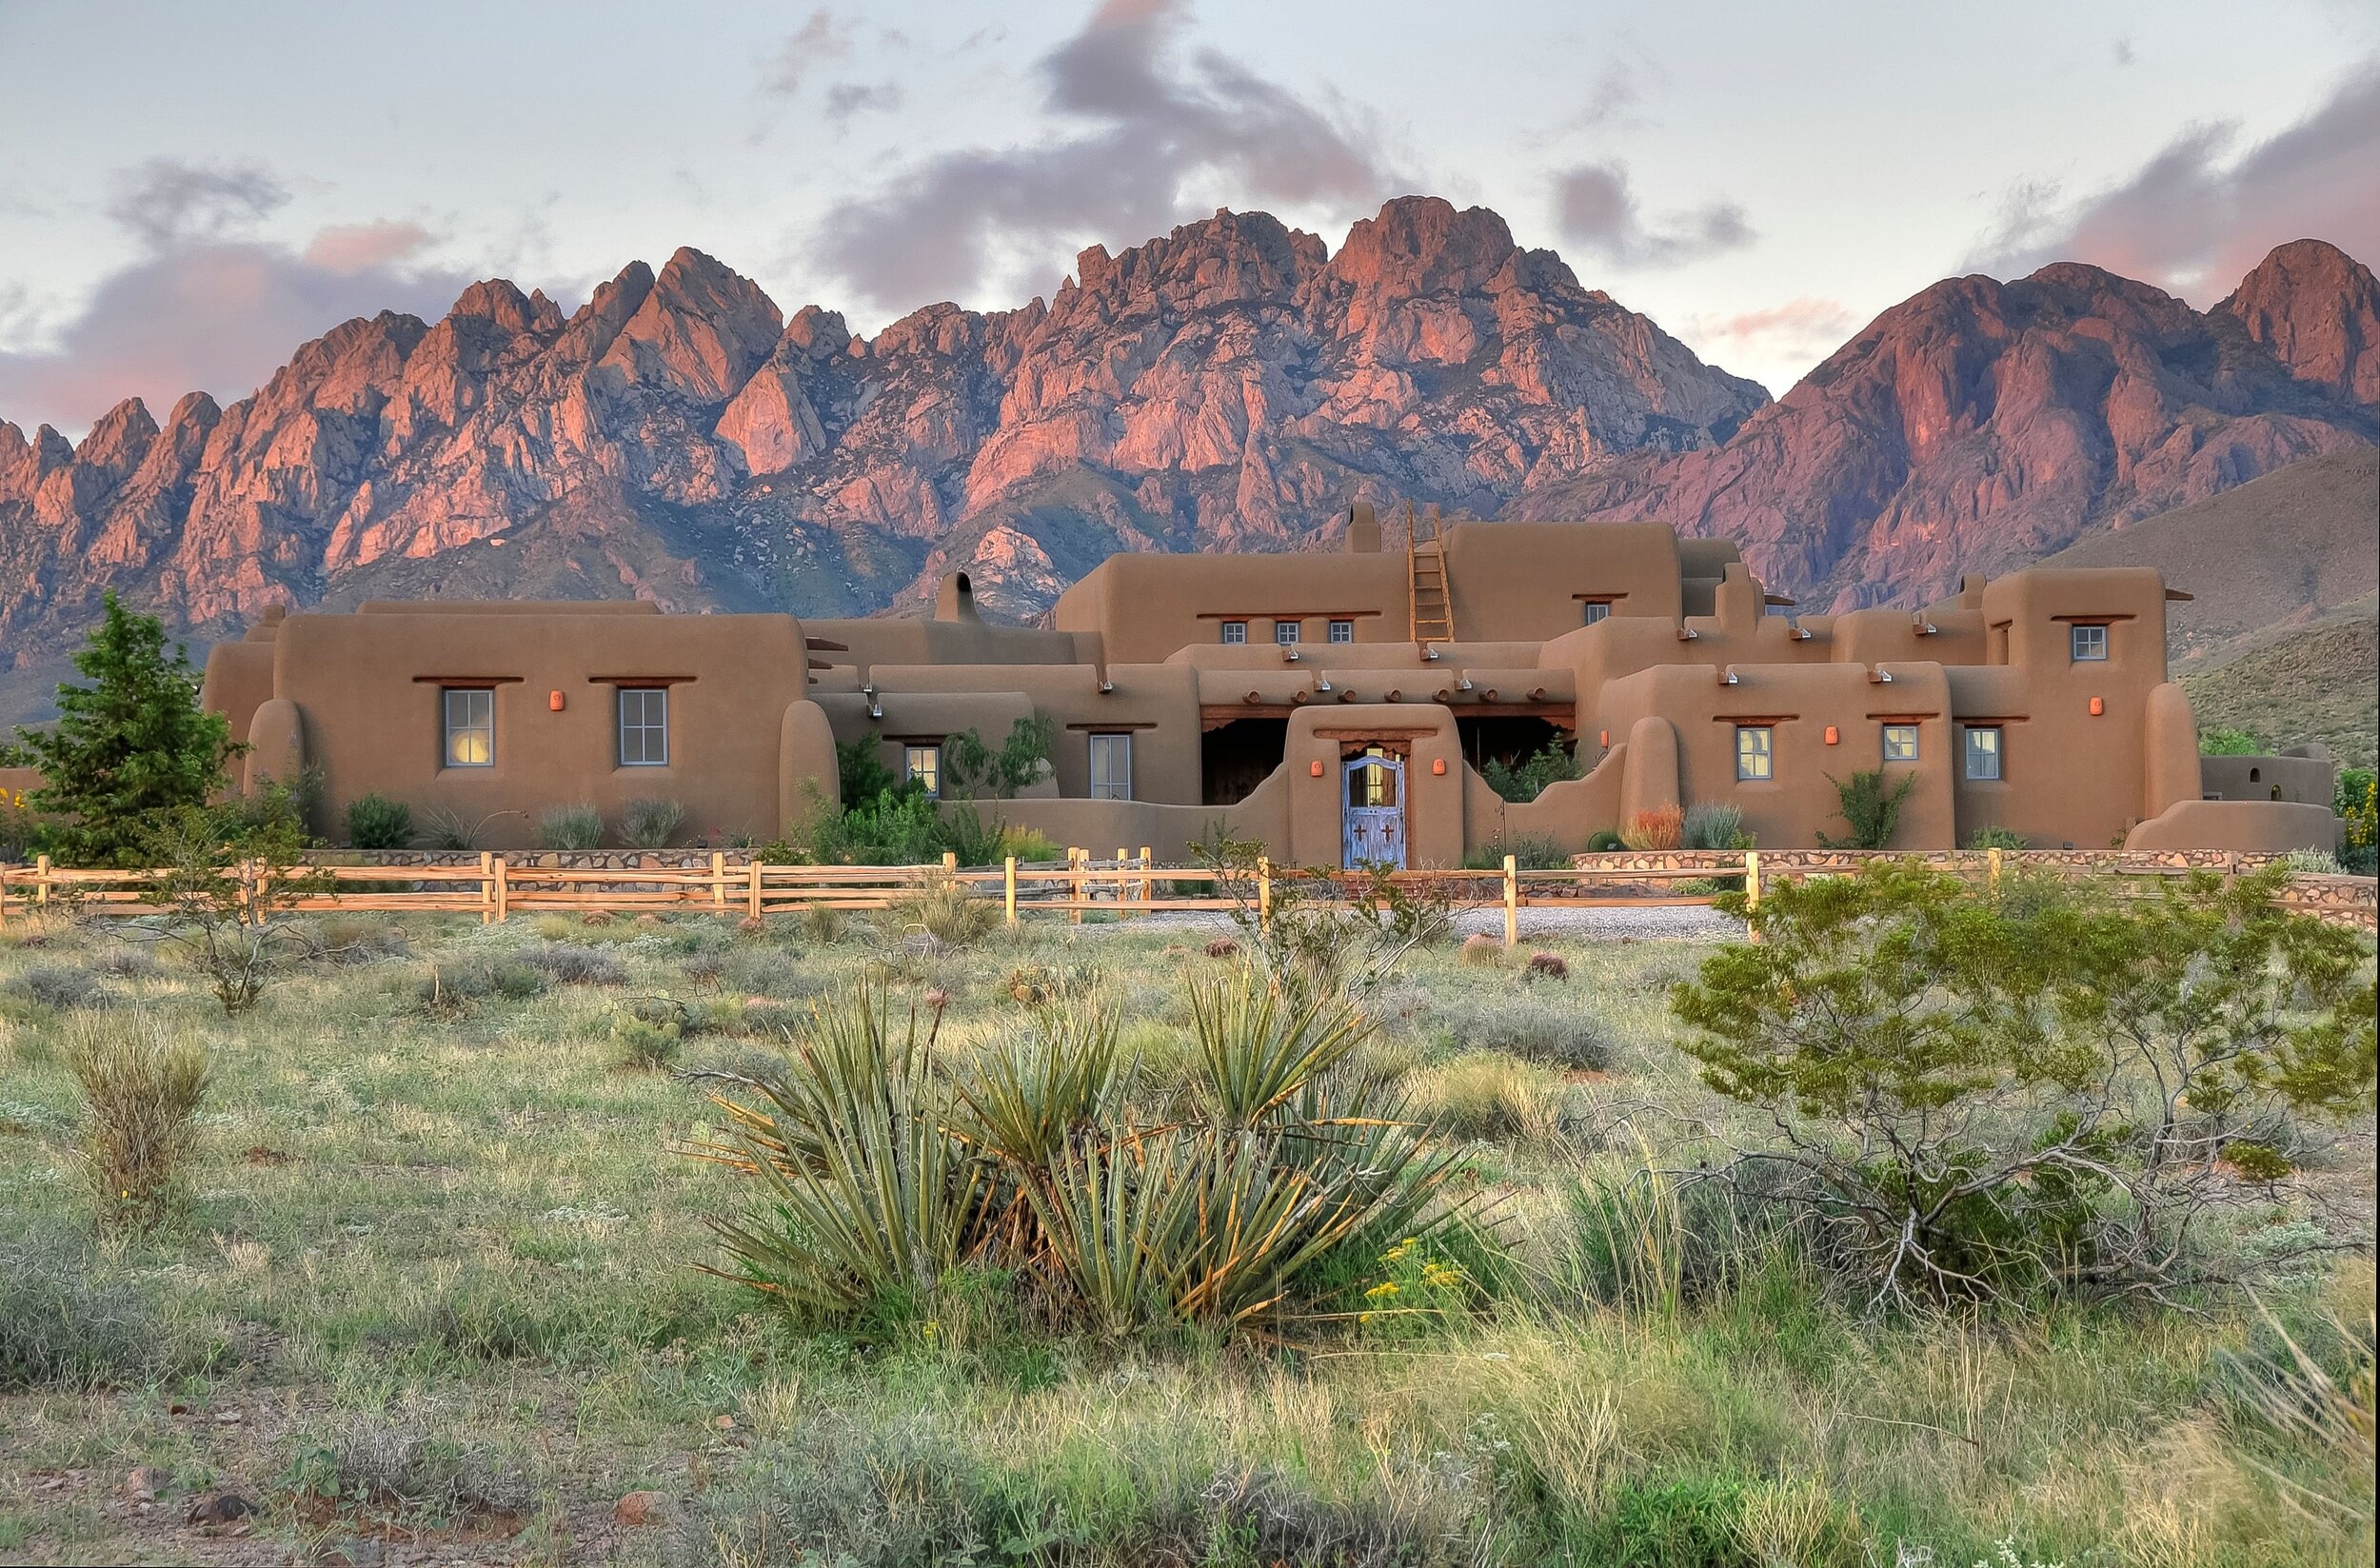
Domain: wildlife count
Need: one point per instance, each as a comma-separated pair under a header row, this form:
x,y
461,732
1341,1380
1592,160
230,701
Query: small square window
x,y
1983,752
1597,609
1287,632
1900,742
470,727
1234,632
1756,751
924,764
1342,631
2088,643
1111,767
643,727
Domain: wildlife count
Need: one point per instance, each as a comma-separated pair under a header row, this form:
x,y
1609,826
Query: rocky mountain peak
x,y
2317,308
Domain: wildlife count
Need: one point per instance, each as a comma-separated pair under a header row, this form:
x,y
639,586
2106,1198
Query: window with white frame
x,y
1597,609
643,727
1900,742
1342,631
470,723
1111,767
1983,751
924,764
1234,632
2088,644
1756,751
1287,632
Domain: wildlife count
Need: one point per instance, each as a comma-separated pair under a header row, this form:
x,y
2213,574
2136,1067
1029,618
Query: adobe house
x,y
1337,706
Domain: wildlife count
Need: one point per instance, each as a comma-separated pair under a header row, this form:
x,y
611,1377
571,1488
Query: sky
x,y
193,190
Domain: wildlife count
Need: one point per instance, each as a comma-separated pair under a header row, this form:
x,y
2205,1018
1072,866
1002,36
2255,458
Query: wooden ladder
x,y
1431,597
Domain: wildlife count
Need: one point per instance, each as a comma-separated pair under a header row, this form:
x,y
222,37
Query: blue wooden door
x,y
1374,807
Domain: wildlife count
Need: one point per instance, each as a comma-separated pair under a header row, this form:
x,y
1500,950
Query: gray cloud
x,y
207,306
846,99
822,39
1597,212
2197,216
1154,124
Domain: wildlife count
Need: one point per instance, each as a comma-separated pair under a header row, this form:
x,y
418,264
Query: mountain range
x,y
1230,386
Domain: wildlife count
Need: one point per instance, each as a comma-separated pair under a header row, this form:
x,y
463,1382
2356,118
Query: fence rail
x,y
1126,885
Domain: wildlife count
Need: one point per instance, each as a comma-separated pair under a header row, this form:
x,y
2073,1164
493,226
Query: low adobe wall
x,y
2265,827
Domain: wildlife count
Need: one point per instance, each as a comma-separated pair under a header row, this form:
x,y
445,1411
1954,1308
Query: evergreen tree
x,y
127,748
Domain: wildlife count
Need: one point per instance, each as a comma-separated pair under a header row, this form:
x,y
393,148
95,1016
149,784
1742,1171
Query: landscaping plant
x,y
375,821
227,896
142,1086
1550,765
650,822
1871,807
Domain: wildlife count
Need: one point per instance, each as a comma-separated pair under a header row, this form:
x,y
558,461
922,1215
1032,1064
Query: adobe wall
x,y
2306,781
2265,827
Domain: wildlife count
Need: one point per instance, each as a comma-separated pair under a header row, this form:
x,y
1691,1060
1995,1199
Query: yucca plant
x,y
1027,1101
1257,1046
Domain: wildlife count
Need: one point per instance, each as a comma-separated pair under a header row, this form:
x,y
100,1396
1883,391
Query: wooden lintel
x,y
640,680
467,680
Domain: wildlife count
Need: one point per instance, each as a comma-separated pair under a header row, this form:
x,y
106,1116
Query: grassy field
x,y
436,1296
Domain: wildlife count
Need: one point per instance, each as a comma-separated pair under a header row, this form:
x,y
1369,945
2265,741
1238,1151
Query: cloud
x,y
1774,345
209,307
1597,212
2198,215
1147,126
824,37
846,99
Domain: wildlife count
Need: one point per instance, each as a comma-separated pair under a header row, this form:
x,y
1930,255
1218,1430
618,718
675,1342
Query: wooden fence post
x,y
1512,900
1008,888
1075,861
950,860
1148,883
1991,869
504,890
1752,880
752,893
719,880
41,879
1264,892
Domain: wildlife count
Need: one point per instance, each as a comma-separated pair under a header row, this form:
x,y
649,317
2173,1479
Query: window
x,y
1234,632
1983,751
1756,751
1900,742
1342,631
1374,782
924,765
643,727
2088,643
470,727
1111,767
1597,609
1287,632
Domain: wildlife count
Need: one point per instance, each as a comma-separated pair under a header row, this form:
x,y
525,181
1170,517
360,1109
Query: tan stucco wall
x,y
2263,827
2306,781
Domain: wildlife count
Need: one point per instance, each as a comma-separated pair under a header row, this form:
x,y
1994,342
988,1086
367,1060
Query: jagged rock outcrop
x,y
1231,385
1982,424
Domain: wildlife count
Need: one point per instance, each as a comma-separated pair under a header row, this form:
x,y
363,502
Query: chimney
x,y
1363,530
955,600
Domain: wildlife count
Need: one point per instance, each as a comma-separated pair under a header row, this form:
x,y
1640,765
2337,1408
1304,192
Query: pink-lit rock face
x,y
1228,385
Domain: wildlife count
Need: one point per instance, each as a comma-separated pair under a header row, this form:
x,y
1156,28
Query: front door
x,y
1374,830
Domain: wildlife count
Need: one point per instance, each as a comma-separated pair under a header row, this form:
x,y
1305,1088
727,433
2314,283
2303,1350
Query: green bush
x,y
1551,765
375,821
1995,838
570,828
650,822
1715,826
1604,842
2228,743
1550,1031
1870,806
971,768
2358,806
651,1031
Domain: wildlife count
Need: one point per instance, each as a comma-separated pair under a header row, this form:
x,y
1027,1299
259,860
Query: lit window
x,y
1287,632
1900,742
1234,632
1756,751
470,727
1342,631
924,764
1983,751
2088,643
643,727
1597,610
1111,767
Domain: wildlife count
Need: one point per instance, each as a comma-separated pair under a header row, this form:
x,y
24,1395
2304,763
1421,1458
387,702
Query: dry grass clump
x,y
947,911
1548,966
411,1461
822,925
64,1325
457,985
60,985
1539,1028
141,1089
360,939
1481,951
1486,1096
571,964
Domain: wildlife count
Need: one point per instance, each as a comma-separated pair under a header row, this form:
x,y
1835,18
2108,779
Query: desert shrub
x,y
141,1090
1603,840
1982,1096
1529,851
1712,825
971,768
574,964
227,890
1326,932
1995,838
822,923
1527,779
454,986
1481,951
2228,743
1871,807
948,911
570,828
411,1458
1664,828
128,963
64,986
703,968
2357,803
1550,1031
65,1325
1543,966
444,828
375,821
2317,861
359,938
909,1492
1487,1096
649,822
651,1031
1653,1241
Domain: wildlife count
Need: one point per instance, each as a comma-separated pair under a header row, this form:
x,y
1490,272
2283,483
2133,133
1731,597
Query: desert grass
x,y
434,1270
